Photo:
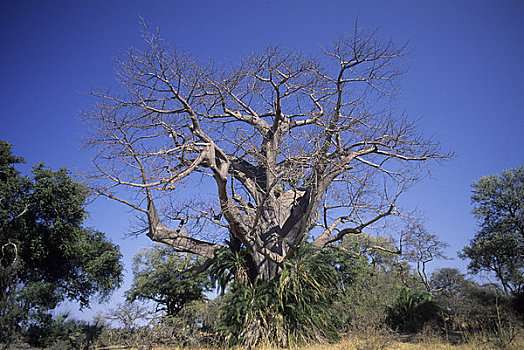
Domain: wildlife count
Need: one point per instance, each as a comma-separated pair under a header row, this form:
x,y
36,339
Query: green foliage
x,y
166,277
499,245
249,308
412,309
319,293
500,253
307,289
364,247
295,308
230,265
498,201
64,333
365,302
469,307
361,256
369,279
46,255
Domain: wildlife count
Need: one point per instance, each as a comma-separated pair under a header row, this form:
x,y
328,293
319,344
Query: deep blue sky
x,y
465,79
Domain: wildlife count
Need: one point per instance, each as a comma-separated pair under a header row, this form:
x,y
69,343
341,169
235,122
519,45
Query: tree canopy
x,y
46,254
498,246
160,274
294,145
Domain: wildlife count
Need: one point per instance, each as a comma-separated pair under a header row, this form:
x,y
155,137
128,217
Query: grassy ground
x,y
388,342
383,344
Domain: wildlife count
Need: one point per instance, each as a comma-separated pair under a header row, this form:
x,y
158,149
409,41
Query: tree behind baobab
x,y
294,146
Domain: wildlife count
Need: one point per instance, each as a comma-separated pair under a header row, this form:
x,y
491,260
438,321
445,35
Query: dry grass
x,y
379,341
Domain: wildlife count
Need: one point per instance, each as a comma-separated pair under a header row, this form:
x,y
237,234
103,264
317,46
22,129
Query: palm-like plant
x,y
295,308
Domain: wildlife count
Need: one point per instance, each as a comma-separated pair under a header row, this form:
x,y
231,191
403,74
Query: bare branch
x,y
270,141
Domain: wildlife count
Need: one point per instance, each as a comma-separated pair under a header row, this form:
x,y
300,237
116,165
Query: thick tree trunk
x,y
279,229
266,268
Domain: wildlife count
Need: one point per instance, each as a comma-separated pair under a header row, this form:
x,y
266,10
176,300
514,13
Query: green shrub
x,y
412,310
63,333
365,301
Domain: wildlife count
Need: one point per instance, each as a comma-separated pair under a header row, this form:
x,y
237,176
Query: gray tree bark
x,y
294,146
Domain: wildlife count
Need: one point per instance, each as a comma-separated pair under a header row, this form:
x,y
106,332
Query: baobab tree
x,y
274,149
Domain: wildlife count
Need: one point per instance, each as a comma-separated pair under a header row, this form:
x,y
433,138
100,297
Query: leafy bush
x,y
365,302
63,333
369,278
412,309
470,308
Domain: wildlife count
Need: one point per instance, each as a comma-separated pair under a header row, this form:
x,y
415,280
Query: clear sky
x,y
465,81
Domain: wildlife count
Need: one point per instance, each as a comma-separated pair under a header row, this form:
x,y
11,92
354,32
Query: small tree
x,y
129,315
46,255
420,247
164,276
498,247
